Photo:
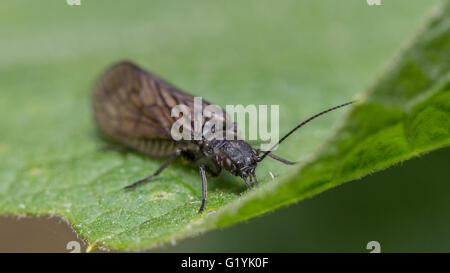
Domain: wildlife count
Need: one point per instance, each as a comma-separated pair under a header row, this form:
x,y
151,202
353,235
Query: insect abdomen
x,y
154,147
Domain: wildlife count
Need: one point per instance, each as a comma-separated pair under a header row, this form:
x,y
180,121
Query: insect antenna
x,y
300,125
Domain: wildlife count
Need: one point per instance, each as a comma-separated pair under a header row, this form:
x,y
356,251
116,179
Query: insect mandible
x,y
132,106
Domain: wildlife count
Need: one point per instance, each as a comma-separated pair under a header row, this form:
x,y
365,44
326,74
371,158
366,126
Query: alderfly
x,y
133,107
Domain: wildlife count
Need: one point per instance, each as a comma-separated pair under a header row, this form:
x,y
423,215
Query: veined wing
x,y
132,105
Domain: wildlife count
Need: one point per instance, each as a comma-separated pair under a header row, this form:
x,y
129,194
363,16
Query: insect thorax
x,y
236,156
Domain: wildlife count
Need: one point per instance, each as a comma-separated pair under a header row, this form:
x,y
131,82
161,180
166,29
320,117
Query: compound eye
x,y
208,148
226,162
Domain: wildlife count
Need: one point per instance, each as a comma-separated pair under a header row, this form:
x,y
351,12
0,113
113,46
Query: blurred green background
x,y
234,46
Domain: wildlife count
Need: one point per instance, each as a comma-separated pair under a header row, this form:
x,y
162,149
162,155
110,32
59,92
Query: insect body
x,y
133,107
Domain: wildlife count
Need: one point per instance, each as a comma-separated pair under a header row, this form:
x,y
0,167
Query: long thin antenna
x,y
300,125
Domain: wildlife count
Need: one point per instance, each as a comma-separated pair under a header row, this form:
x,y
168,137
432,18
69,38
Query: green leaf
x,y
51,157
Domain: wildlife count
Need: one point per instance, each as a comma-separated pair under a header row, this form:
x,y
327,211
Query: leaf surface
x,y
51,157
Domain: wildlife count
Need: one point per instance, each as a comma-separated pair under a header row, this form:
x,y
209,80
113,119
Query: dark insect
x,y
133,107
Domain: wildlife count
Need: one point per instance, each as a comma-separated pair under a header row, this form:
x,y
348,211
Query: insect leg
x,y
158,171
204,190
211,172
256,180
247,183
